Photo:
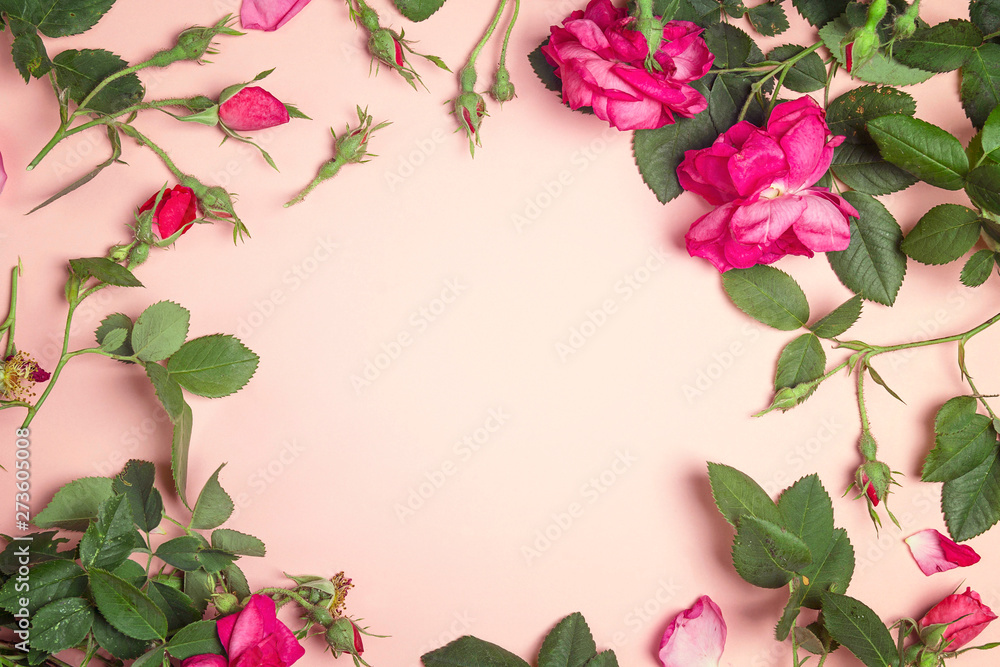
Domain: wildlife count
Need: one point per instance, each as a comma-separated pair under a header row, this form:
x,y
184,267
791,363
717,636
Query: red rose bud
x,y
253,108
177,210
470,108
388,46
343,636
873,479
966,616
18,374
194,43
859,46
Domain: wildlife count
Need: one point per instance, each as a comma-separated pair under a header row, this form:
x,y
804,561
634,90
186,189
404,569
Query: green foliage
x,y
659,152
160,331
214,505
806,75
177,607
983,187
61,625
831,571
958,451
198,638
879,68
49,581
136,483
941,48
766,554
971,503
849,113
925,150
768,295
213,366
569,644
978,268
418,10
167,390
873,265
943,234
79,72
236,542
985,14
802,360
737,495
112,323
104,270
820,12
858,628
980,89
840,319
75,504
768,18
125,607
179,448
57,18
109,540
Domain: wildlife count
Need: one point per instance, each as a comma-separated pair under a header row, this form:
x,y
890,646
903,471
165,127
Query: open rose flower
x,y
696,636
934,552
600,58
269,14
761,181
966,614
253,108
253,637
178,208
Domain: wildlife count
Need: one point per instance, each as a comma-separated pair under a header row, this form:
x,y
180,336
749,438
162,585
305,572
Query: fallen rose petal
x,y
933,552
269,14
696,636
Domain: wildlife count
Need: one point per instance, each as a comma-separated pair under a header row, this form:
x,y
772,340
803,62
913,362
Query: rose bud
x,y
176,211
269,14
965,614
388,46
18,374
343,636
252,108
696,637
502,89
471,108
933,552
194,43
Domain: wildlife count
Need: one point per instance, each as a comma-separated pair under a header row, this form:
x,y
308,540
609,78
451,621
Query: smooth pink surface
x,y
269,14
550,369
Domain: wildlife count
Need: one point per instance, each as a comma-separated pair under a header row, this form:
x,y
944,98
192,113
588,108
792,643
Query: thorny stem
x,y
8,324
63,358
771,70
144,140
489,33
510,29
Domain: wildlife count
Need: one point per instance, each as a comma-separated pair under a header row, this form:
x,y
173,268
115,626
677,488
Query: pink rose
x,y
967,615
934,552
601,61
696,636
269,14
253,108
253,637
760,180
178,208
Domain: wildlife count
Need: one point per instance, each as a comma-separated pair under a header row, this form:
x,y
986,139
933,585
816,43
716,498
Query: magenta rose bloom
x,y
253,637
177,210
761,180
253,108
269,14
601,61
967,615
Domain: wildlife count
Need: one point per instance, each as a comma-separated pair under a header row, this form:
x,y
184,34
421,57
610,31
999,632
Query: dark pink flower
x,y
967,615
934,552
761,180
253,108
600,58
178,208
254,637
269,14
696,636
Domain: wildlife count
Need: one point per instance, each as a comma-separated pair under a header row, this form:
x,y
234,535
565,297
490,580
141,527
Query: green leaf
x,y
417,10
861,168
104,270
125,607
945,233
728,94
737,495
214,505
114,340
802,360
109,540
985,14
179,451
971,503
198,638
958,453
111,323
28,51
603,659
788,616
79,72
471,652
831,572
131,572
807,511
136,482
882,383
980,88
990,135
955,415
926,151
820,12
41,547
160,331
977,269
236,542
114,642
808,641
840,320
872,266
61,625
544,70
940,48
982,187
75,504
167,389
878,69
46,582
730,45
849,114
57,18
767,555
213,366
154,658
768,18
659,152
805,76
181,552
236,581
858,628
768,295
176,606
569,644
214,561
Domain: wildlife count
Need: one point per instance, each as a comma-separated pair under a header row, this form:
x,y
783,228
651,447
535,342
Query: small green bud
x,y
928,660
369,19
876,12
868,446
787,398
467,78
139,254
119,252
385,45
321,616
226,603
905,26
343,636
933,634
859,46
502,89
193,43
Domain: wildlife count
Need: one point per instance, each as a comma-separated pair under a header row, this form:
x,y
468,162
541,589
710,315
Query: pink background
x,y
537,234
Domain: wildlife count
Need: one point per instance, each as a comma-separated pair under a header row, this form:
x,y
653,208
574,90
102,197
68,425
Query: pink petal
x,y
934,552
821,226
253,108
207,660
966,613
3,174
269,14
249,626
696,636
